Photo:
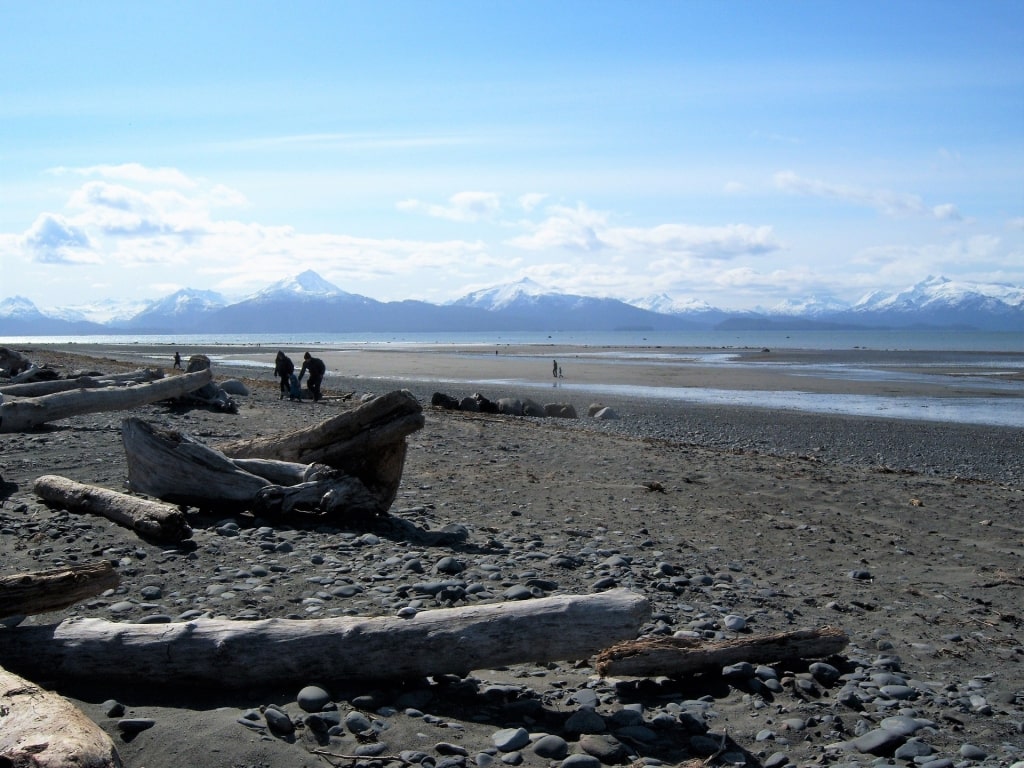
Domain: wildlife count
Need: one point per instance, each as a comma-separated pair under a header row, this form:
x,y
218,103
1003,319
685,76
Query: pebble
x,y
313,698
510,739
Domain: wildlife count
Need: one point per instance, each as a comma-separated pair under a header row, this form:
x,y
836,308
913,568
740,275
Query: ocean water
x,y
997,402
915,340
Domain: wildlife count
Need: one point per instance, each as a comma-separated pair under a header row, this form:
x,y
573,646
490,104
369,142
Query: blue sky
x,y
740,153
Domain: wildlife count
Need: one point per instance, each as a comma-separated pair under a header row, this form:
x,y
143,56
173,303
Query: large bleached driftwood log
x,y
150,519
42,591
40,388
281,651
39,729
674,656
367,442
350,464
29,413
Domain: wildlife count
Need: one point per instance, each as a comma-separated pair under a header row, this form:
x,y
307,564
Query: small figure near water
x,y
316,369
554,368
284,369
177,360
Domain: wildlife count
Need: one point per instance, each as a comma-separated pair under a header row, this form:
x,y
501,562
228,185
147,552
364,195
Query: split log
x,y
31,593
39,729
152,520
41,388
351,463
222,652
29,413
676,656
367,442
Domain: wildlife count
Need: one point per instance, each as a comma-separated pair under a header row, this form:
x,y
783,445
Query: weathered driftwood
x,y
39,729
29,413
350,464
174,467
209,395
367,442
673,656
41,388
150,519
25,594
223,652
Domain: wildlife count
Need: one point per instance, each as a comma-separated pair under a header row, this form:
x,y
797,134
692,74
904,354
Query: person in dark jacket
x,y
316,369
283,369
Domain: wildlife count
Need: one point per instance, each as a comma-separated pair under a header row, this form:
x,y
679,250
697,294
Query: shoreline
x,y
989,452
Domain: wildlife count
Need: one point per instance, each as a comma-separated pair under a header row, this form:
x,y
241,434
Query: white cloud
x,y
133,172
462,206
52,239
896,204
530,201
1016,223
584,229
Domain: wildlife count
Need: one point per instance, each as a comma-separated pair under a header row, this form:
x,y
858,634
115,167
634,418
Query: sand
x,y
709,512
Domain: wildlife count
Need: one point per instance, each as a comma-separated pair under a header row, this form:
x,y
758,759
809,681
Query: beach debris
x,y
210,394
240,653
152,520
348,465
674,656
23,414
89,381
26,594
41,728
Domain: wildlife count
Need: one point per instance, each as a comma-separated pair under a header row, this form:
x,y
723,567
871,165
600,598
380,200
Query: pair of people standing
x,y
284,369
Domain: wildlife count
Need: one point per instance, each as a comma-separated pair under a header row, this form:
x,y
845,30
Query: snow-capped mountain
x,y
181,310
114,311
308,303
306,285
524,293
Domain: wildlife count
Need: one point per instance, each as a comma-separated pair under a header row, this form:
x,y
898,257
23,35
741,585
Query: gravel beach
x,y
732,522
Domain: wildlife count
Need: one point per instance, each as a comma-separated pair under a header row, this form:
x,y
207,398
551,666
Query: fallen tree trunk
x,y
29,413
367,442
350,464
31,593
41,388
675,656
39,729
223,652
150,519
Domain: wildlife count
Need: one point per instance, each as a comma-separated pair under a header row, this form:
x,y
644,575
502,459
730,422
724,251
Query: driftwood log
x,y
152,520
367,442
39,729
40,388
350,464
674,656
12,362
223,652
29,413
43,591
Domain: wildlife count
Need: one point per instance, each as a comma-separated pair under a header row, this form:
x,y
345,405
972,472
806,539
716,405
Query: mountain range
x,y
306,303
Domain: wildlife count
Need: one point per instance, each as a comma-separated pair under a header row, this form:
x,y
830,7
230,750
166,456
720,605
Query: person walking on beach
x,y
177,360
554,368
316,369
284,368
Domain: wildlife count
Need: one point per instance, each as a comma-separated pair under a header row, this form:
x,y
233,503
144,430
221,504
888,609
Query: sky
x,y
738,153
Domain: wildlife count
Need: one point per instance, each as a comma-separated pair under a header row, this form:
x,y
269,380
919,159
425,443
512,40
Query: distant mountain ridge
x,y
307,303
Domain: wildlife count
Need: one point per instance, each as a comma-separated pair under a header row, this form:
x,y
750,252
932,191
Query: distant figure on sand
x,y
316,369
284,368
554,368
177,360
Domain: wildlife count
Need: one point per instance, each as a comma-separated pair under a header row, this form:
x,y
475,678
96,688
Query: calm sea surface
x,y
1001,353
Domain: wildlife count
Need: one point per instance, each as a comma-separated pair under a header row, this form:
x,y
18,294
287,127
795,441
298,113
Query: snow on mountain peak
x,y
307,284
18,307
